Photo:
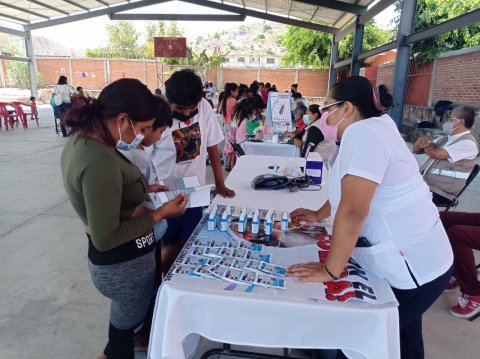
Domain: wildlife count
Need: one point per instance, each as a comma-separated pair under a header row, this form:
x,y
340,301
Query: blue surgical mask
x,y
448,127
124,146
306,119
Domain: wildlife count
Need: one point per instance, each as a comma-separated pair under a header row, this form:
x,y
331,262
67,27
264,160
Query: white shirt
x,y
462,150
64,90
182,149
403,224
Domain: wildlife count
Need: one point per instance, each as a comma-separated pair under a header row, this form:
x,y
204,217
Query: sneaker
x,y
452,284
467,307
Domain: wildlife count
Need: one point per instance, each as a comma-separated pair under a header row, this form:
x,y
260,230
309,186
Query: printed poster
x,y
279,111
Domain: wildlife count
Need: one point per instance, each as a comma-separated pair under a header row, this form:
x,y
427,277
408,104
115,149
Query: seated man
x,y
463,230
451,157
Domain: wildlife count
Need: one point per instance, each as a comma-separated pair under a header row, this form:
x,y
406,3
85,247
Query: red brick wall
x,y
385,75
90,74
457,79
280,77
313,82
238,76
51,69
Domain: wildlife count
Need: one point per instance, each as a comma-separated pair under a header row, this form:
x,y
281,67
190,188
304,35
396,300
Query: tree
x,y
122,42
312,48
432,12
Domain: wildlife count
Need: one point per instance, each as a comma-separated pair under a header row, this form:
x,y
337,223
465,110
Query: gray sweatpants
x,y
130,286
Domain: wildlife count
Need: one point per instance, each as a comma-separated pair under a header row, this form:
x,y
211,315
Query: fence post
x,y
106,70
432,83
2,75
70,72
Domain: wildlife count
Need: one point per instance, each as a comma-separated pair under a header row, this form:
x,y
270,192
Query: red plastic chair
x,y
27,109
20,113
9,118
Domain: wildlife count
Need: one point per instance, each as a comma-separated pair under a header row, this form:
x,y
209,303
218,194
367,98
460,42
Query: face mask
x,y
448,128
329,131
184,118
124,146
306,119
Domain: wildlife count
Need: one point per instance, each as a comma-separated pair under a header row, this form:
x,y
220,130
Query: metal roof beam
x,y
364,18
7,30
23,10
93,13
17,19
103,3
337,5
470,18
76,5
48,7
14,58
177,17
264,16
378,50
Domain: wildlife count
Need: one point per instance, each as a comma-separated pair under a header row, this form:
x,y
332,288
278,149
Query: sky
x,y
91,33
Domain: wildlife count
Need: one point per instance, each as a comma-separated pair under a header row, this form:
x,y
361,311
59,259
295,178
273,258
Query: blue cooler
x,y
314,167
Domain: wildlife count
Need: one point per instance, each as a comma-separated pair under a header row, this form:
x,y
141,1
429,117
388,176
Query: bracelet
x,y
330,273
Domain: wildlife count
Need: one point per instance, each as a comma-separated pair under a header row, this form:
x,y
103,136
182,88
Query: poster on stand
x,y
279,113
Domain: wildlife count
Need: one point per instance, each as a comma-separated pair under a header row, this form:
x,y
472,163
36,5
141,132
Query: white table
x,y
247,167
298,317
270,149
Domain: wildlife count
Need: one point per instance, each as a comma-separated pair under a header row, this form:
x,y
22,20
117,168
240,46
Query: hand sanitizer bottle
x,y
284,222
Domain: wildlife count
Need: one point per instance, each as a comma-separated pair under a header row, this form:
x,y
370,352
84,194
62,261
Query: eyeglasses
x,y
324,108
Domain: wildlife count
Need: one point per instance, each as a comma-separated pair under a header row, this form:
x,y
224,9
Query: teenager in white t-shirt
x,y
182,152
376,191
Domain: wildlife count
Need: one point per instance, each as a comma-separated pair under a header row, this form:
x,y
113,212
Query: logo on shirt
x,y
187,142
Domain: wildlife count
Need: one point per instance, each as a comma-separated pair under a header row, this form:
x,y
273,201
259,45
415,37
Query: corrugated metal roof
x,y
25,12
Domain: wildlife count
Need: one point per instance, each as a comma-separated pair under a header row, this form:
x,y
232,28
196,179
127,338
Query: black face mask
x,y
181,117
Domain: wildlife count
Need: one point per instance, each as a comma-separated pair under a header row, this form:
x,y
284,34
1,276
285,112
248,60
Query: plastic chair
x,y
9,118
20,113
31,112
471,177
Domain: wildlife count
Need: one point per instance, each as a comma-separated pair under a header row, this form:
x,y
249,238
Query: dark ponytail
x,y
369,100
229,87
128,96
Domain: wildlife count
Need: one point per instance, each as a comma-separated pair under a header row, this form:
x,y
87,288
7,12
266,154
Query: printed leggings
x,y
131,287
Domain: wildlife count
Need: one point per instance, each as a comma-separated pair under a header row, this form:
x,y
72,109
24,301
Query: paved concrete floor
x,y
48,306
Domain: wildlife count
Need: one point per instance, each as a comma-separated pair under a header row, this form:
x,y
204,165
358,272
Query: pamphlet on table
x,y
198,196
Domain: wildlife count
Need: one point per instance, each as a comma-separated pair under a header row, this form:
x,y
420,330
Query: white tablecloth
x,y
270,149
298,317
248,167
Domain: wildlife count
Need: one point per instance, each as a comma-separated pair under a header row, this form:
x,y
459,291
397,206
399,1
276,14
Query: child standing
x,y
229,107
34,110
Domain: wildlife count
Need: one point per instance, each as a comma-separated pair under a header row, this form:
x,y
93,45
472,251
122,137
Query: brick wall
x,y
457,77
51,69
385,75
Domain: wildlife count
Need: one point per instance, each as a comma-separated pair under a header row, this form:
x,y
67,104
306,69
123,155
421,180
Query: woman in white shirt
x,y
63,92
375,191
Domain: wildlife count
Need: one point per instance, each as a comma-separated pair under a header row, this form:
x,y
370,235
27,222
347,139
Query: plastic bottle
x,y
224,222
255,224
284,222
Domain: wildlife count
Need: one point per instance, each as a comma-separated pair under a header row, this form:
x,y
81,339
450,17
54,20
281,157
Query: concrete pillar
x,y
432,83
219,77
402,59
106,70
32,64
2,75
296,74
70,73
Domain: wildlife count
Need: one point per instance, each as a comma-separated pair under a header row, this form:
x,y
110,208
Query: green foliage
x,y
19,76
123,39
432,12
260,37
312,48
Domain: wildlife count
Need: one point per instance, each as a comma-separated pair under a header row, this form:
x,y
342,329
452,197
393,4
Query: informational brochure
x,y
198,196
279,112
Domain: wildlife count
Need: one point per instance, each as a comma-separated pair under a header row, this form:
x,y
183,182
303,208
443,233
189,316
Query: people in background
x,y
107,191
33,108
375,191
182,152
242,92
311,137
451,157
245,120
209,93
79,98
463,230
62,92
298,122
229,107
294,88
264,94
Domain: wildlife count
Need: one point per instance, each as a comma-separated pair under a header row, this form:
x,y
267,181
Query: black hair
x,y
359,91
229,87
315,109
184,88
294,85
32,98
297,95
272,89
79,88
257,101
268,85
242,89
164,115
62,80
128,96
467,114
254,87
245,108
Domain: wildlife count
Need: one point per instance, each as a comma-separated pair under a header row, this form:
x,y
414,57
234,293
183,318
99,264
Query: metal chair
x,y
454,202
